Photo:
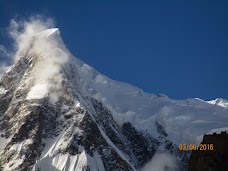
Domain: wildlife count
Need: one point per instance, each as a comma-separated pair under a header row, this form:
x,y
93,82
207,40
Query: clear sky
x,y
179,48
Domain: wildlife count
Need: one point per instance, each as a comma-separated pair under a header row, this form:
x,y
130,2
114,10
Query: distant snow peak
x,y
219,102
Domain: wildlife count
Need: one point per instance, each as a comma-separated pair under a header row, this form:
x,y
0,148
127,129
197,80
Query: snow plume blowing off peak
x,y
38,38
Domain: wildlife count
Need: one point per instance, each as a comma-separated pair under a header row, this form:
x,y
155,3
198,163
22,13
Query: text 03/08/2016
x,y
200,147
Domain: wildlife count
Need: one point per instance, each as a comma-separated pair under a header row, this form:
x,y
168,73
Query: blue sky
x,y
179,48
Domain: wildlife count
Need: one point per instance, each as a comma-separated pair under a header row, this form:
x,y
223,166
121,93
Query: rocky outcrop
x,y
212,159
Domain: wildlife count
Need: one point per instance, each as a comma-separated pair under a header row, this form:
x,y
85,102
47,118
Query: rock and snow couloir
x,y
58,113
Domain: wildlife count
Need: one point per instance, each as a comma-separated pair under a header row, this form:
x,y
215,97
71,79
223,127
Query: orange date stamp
x,y
199,147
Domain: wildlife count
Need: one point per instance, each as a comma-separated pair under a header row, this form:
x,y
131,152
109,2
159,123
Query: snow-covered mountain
x,y
58,113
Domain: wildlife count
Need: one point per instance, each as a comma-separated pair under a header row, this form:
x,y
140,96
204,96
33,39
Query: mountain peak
x,y
48,33
57,112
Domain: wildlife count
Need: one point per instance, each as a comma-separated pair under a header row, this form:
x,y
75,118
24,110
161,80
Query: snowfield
x,y
186,121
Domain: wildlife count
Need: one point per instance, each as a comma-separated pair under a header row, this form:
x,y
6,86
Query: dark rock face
x,y
93,141
211,160
110,127
143,148
161,130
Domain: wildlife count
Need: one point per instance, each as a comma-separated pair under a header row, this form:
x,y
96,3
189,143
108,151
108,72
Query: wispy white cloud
x,y
4,52
5,59
161,161
52,54
21,32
